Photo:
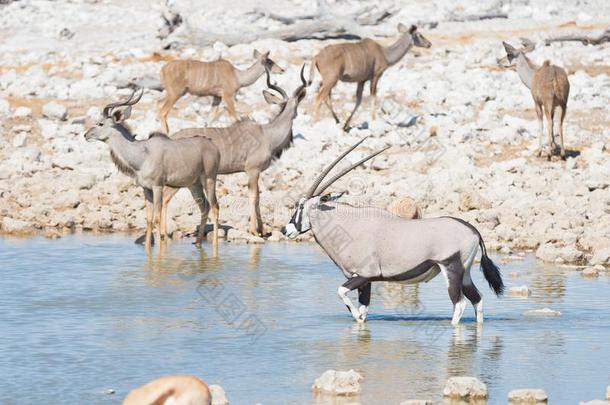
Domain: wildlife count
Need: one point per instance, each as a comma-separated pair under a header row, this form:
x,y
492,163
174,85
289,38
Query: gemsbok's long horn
x,y
344,172
316,183
275,87
129,101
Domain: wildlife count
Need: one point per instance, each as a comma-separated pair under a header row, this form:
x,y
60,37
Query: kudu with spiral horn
x,y
370,244
160,162
249,147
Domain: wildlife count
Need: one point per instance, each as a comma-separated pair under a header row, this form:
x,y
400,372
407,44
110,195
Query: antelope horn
x,y
129,101
319,179
273,86
344,172
303,81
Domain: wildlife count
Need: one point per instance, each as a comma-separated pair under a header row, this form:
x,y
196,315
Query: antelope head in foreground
x,y
550,89
359,62
370,244
219,79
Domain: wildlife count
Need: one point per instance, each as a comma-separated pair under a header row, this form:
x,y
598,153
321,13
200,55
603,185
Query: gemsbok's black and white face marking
x,y
299,222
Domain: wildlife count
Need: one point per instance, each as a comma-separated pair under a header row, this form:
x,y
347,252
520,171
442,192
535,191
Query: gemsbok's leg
x,y
353,283
364,298
561,117
359,90
469,289
454,273
168,193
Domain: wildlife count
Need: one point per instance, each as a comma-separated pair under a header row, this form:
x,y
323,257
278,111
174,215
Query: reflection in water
x,y
190,311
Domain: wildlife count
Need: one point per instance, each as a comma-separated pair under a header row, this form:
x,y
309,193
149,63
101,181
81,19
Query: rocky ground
x,y
463,131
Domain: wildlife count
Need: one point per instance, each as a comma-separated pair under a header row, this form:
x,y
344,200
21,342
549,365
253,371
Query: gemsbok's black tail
x,y
491,272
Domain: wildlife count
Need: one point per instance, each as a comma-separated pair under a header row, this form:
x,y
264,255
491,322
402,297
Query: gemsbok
x,y
550,89
359,62
370,244
160,162
174,390
219,79
249,147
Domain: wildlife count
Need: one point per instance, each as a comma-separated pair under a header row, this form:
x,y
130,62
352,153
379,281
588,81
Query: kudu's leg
x,y
359,90
230,101
323,94
148,195
199,197
561,117
329,104
541,127
215,111
374,82
168,193
157,203
549,110
256,222
361,283
454,274
170,100
210,192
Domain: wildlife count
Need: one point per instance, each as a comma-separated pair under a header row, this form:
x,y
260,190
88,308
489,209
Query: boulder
x,y
520,291
465,388
590,272
600,256
338,383
218,395
405,207
542,312
5,107
16,226
19,141
21,112
55,111
473,201
552,253
527,396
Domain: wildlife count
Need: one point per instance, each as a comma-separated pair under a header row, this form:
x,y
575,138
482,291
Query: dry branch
x,y
585,40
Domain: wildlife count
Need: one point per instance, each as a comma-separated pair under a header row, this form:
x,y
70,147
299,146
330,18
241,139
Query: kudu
x,y
175,390
549,86
249,147
359,62
159,162
370,244
219,79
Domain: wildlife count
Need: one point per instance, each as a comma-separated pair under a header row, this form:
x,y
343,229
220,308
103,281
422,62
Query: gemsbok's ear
x,y
510,50
331,196
272,98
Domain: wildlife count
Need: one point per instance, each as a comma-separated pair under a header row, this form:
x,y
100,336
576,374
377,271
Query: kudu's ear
x,y
401,28
272,98
412,29
510,50
331,196
120,114
275,68
257,54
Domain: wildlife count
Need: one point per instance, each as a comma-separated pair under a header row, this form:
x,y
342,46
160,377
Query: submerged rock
x,y
527,396
590,272
218,395
338,383
608,392
595,402
521,291
542,312
465,388
417,402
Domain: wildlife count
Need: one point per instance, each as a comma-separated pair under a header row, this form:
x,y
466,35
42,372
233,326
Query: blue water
x,y
87,313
